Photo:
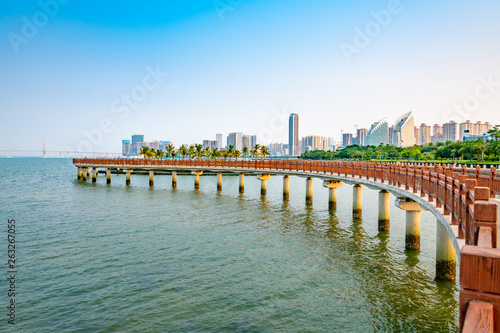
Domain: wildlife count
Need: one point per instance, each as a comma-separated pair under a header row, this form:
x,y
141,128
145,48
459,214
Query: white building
x,y
378,133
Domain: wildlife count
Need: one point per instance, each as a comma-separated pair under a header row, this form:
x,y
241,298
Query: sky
x,y
83,75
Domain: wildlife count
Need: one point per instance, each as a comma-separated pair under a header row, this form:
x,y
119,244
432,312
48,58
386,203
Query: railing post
x,y
493,171
485,214
470,184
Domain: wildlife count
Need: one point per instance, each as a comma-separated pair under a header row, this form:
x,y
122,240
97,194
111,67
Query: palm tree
x,y
206,152
245,151
264,151
254,153
257,147
230,151
170,150
236,154
225,154
147,152
215,153
191,152
160,153
183,151
199,151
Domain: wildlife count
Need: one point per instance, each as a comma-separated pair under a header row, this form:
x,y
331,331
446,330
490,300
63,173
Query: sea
x,y
117,258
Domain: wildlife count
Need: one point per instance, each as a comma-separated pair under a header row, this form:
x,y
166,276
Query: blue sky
x,y
238,66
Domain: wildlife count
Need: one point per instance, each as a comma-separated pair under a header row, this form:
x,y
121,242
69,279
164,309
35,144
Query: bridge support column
x,y
94,175
219,181
127,176
80,173
357,206
242,182
151,177
286,187
263,179
85,174
174,178
108,176
413,209
309,191
412,236
332,186
197,178
446,257
384,208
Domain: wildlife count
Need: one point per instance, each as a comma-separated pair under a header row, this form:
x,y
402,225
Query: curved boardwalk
x,y
458,197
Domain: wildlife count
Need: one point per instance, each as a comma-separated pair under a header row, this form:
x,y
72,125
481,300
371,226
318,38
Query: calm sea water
x,y
116,258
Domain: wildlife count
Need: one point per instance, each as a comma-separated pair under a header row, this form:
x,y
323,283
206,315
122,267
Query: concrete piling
x,y
309,191
219,181
357,206
384,207
446,256
242,182
174,178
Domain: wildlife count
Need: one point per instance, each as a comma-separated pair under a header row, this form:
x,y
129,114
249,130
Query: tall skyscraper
x,y
361,136
293,134
450,131
466,125
249,141
437,129
346,139
235,139
218,139
378,133
425,134
404,131
417,135
136,138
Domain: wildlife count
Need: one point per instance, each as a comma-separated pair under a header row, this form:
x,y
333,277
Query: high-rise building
x,y
361,136
293,134
314,142
137,138
218,138
480,128
437,129
425,134
346,139
249,141
404,131
466,125
391,135
450,131
378,134
125,147
278,149
235,139
207,143
417,135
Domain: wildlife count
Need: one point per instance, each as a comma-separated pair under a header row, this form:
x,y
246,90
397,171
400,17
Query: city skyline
x,y
95,74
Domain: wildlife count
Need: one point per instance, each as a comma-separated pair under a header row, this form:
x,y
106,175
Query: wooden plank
x,y
479,318
484,238
480,269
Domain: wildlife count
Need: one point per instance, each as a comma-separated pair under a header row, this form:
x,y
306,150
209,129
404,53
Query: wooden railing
x,y
462,193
